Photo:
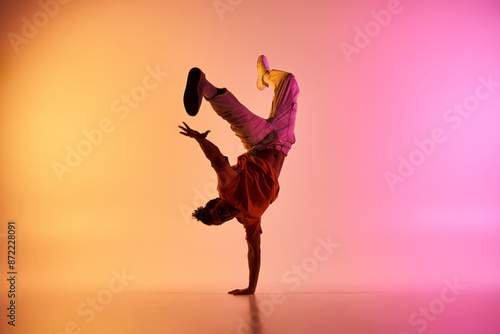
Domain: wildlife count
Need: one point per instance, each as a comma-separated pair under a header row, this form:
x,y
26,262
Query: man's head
x,y
215,212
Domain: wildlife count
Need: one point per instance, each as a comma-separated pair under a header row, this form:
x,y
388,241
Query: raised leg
x,y
255,132
283,110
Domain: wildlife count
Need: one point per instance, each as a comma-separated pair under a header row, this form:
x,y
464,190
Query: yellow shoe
x,y
262,68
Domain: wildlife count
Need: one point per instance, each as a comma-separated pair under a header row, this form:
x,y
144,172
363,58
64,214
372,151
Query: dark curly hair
x,y
201,214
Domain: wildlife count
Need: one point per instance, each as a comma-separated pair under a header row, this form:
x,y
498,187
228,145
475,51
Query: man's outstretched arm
x,y
253,266
211,151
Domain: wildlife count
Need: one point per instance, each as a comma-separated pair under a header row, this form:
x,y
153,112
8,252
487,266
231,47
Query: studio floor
x,y
444,311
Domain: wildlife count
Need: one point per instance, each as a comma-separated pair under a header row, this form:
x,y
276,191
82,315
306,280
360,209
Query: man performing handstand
x,y
248,188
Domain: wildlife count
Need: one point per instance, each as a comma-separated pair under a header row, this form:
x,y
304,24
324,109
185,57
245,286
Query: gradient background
x,y
128,204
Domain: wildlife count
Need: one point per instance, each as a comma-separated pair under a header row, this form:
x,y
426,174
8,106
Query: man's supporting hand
x,y
253,266
188,132
245,291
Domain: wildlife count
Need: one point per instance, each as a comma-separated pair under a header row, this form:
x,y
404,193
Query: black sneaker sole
x,y
192,101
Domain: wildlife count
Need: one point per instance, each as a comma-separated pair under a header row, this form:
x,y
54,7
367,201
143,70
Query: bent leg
x,y
250,128
283,111
257,133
